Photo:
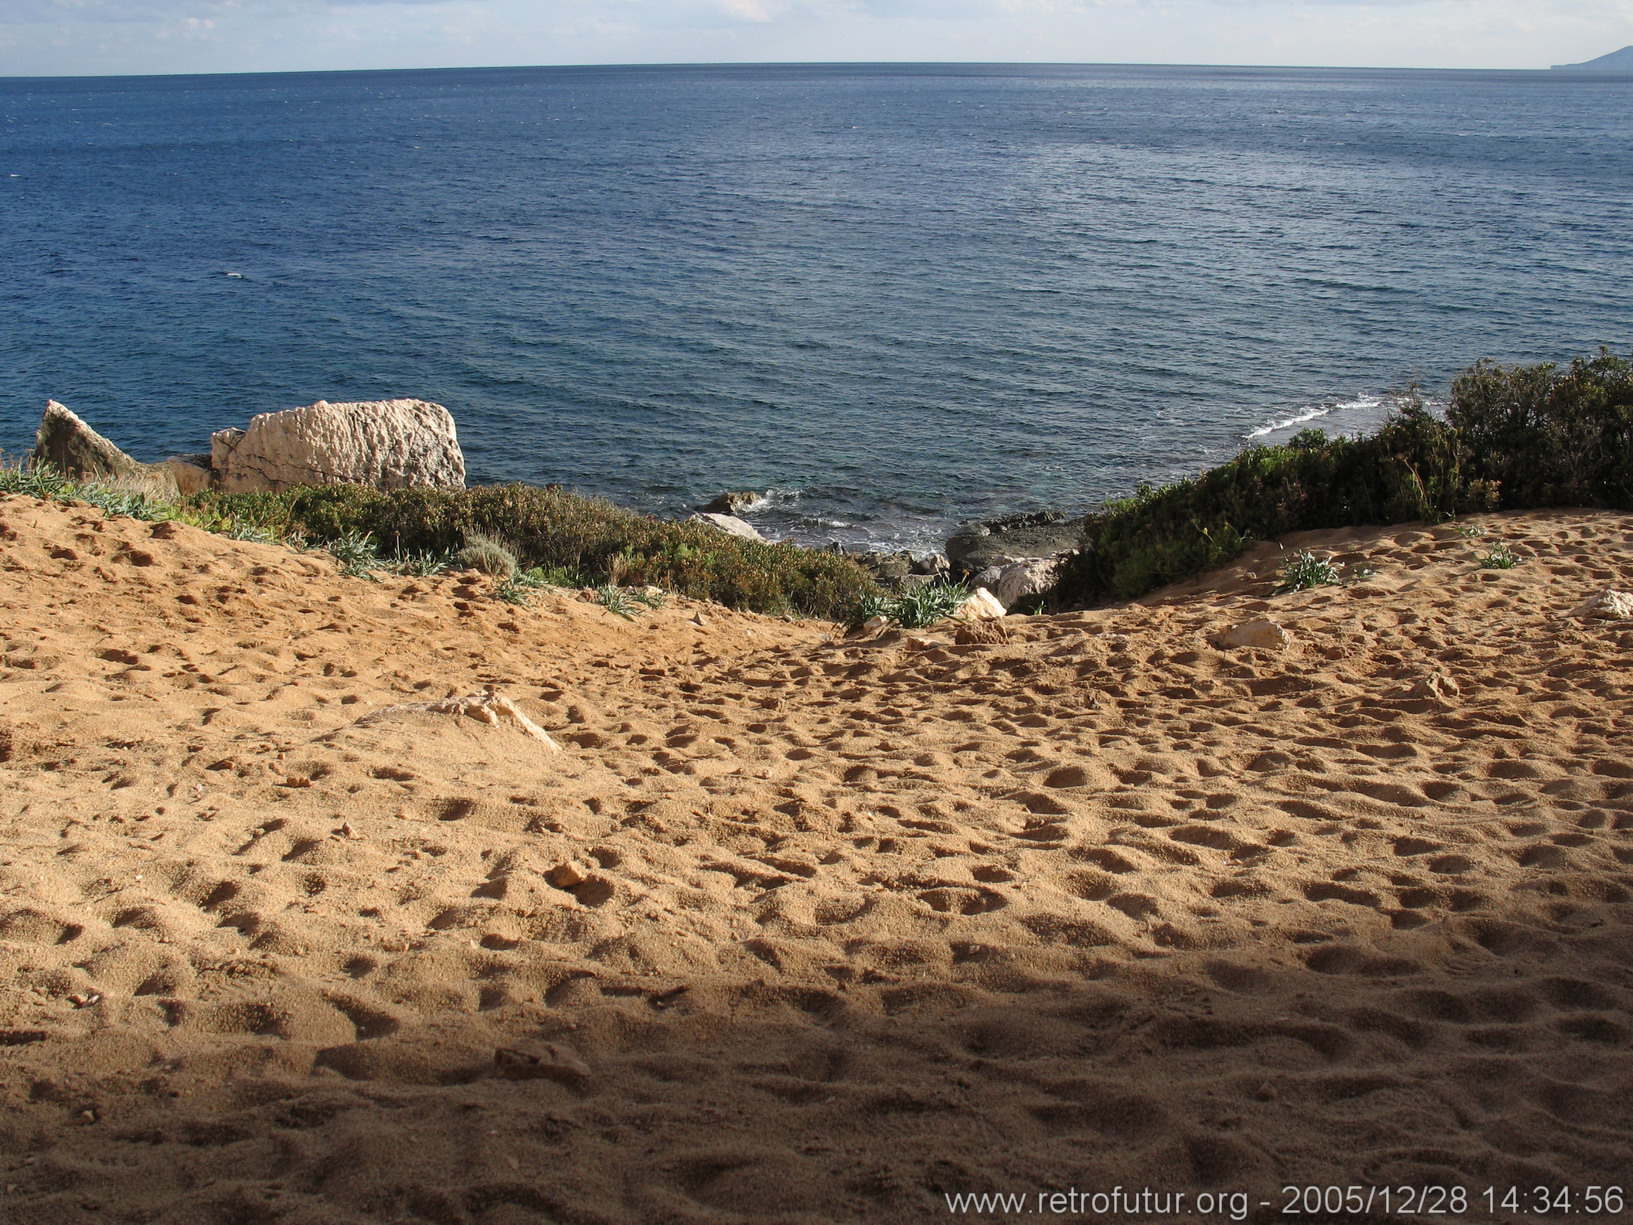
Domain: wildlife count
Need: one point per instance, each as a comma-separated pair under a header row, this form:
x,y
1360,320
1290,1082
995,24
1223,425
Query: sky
x,y
96,37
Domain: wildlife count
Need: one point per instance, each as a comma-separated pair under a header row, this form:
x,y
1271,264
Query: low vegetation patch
x,y
1305,570
914,608
1513,438
524,536
576,540
1500,557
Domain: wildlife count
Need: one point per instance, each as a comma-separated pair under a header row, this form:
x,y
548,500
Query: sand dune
x,y
799,928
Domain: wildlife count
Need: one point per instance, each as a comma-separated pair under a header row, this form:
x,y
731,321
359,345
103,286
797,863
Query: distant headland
x,y
1616,61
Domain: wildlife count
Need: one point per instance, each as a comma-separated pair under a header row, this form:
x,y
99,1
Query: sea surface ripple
x,y
898,295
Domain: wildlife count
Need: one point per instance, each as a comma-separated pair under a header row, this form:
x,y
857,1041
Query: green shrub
x,y
1409,469
1547,436
356,552
584,541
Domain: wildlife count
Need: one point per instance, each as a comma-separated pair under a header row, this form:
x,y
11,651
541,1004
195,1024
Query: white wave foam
x,y
1315,412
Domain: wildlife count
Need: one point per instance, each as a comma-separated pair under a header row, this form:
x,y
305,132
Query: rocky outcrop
x,y
902,570
729,524
1000,542
388,444
190,472
1023,580
731,502
69,445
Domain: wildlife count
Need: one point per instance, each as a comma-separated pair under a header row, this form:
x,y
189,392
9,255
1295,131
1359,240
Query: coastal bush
x,y
1513,438
1410,469
586,540
1548,436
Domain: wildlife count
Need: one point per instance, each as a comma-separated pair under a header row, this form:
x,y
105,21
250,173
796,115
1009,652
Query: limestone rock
x,y
903,570
1023,579
1614,605
731,502
981,606
1263,634
888,569
729,524
190,472
987,577
389,444
69,445
222,445
1436,687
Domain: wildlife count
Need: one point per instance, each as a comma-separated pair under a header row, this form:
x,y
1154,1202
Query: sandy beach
x,y
776,925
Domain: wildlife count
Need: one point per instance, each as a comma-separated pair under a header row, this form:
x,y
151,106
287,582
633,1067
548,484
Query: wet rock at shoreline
x,y
976,547
69,445
732,502
902,570
388,444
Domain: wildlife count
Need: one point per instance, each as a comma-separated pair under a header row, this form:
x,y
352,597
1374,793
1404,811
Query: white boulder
x,y
389,444
1020,580
1614,605
981,606
730,524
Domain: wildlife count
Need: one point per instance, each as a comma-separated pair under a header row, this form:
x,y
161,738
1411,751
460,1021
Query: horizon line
x,y
724,64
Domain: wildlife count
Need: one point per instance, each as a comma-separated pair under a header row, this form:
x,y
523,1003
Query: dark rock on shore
x,y
732,502
998,542
901,570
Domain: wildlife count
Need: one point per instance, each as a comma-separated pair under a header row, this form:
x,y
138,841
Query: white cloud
x,y
39,37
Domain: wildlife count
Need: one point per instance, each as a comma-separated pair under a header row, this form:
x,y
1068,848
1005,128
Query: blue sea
x,y
894,296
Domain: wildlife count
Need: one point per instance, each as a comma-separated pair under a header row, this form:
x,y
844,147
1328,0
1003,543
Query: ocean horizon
x,y
890,296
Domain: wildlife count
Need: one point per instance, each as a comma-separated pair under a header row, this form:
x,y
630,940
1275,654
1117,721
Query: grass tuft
x,y
912,609
1305,570
487,555
1500,557
616,600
